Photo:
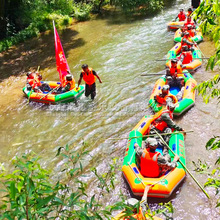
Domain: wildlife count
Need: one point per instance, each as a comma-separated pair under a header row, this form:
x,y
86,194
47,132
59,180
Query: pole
x,y
150,135
183,166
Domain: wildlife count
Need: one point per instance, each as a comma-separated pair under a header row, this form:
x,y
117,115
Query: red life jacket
x,y
148,164
33,81
181,16
177,70
187,57
158,123
89,78
191,33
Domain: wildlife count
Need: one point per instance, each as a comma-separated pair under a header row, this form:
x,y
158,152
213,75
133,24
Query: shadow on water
x,y
37,51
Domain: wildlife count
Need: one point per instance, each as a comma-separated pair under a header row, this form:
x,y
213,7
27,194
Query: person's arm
x,y
139,151
170,122
79,82
181,59
95,74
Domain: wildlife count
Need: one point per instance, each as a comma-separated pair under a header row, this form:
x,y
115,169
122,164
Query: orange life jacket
x,y
175,71
33,81
181,16
148,164
89,78
72,84
191,33
162,100
158,123
187,57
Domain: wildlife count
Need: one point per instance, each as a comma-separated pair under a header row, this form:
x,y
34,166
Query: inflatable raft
x,y
196,55
147,217
66,97
164,185
197,38
174,25
185,102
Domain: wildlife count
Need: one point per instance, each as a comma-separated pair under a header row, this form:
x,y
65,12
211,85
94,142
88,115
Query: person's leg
x,y
87,90
93,91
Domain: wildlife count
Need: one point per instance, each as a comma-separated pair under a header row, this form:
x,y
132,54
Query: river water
x,y
119,50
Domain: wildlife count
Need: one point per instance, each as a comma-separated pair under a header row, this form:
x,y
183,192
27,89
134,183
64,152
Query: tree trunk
x,y
3,23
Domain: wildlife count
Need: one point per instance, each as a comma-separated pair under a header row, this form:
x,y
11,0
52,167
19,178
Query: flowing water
x,y
119,50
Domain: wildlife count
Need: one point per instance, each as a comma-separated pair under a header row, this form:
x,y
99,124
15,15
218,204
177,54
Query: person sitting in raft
x,y
186,56
186,40
181,15
165,96
164,122
192,32
152,163
34,82
89,76
189,21
68,84
189,12
171,74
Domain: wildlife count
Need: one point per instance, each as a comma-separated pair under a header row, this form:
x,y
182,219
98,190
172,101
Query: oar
x,y
183,165
150,135
49,92
202,58
153,74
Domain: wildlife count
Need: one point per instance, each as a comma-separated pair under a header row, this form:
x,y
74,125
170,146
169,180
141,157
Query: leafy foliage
x,y
208,14
210,89
30,192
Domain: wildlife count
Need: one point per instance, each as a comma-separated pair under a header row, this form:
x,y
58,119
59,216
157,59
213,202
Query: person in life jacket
x,y
186,40
186,56
89,76
189,12
189,21
171,73
165,96
164,122
151,161
192,32
69,84
181,15
34,82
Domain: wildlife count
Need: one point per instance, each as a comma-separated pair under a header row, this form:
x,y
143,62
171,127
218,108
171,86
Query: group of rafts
x,y
163,186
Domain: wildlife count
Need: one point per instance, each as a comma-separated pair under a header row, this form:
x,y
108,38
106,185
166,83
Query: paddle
x,y
49,92
183,166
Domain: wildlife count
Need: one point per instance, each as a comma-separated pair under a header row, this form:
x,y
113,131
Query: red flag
x,y
62,65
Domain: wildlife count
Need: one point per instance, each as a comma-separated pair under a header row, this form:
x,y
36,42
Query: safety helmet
x,y
186,33
69,77
185,48
165,88
152,142
29,73
189,26
170,106
174,61
181,9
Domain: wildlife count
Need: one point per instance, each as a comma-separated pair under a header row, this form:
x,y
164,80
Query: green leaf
x,y
44,201
12,190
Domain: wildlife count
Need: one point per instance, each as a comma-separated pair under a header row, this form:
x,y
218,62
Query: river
x,y
119,50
